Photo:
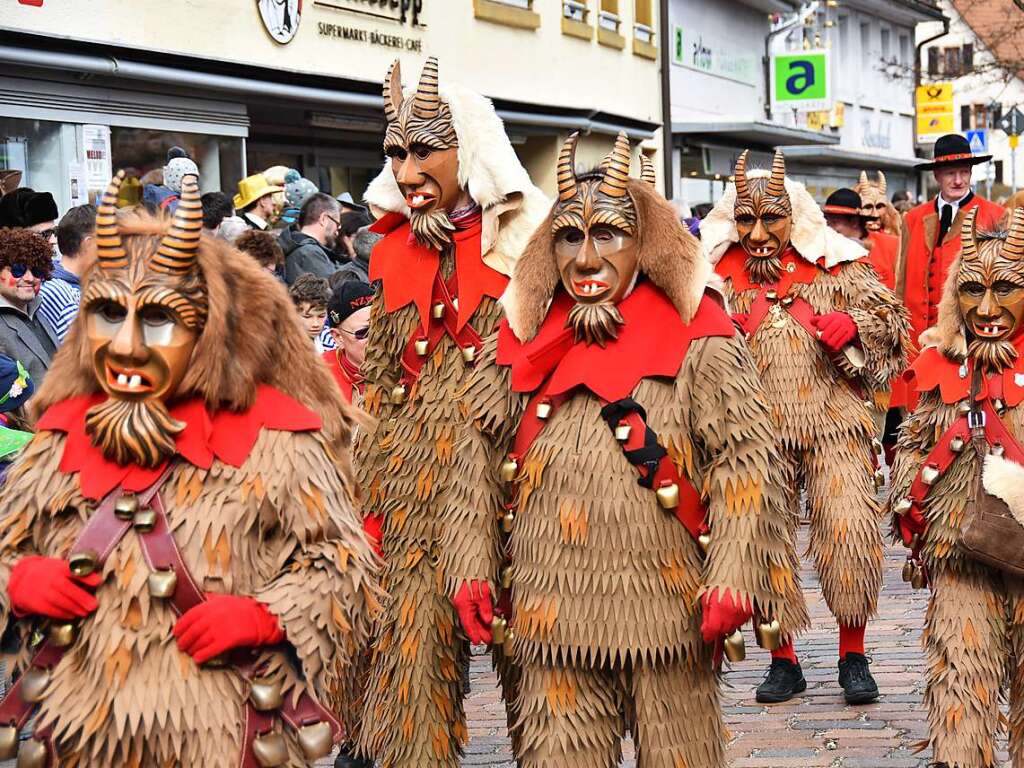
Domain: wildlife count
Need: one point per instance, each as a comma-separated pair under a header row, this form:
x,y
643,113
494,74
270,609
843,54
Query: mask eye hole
x,y
1005,287
422,151
156,315
111,311
746,219
396,153
770,218
973,289
571,235
602,235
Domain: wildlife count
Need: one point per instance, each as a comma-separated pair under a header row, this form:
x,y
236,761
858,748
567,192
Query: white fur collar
x,y
812,238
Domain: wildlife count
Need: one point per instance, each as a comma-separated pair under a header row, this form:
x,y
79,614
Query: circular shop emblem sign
x,y
280,17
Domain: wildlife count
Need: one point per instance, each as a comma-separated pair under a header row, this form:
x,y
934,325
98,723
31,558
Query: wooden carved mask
x,y
763,212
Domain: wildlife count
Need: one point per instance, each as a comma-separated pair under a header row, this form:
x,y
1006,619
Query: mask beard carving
x,y
432,229
764,270
993,356
137,432
595,323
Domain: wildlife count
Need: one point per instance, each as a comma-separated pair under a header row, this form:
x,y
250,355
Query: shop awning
x,y
846,158
757,133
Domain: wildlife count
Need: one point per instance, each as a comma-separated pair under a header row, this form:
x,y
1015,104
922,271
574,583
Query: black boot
x,y
783,681
346,758
855,676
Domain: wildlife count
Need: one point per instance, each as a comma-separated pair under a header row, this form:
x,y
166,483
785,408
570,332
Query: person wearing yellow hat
x,y
255,201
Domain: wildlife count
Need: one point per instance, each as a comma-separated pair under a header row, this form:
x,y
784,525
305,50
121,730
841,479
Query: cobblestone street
x,y
816,728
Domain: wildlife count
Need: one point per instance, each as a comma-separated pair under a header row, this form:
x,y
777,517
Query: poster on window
x,y
77,193
97,163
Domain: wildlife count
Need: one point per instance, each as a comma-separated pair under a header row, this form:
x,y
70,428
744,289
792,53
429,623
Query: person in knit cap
x,y
24,208
179,165
297,190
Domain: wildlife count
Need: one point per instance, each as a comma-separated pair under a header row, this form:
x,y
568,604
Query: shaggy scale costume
x,y
974,627
413,714
604,615
259,496
822,405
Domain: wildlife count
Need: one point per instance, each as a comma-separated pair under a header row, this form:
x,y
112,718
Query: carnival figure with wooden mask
x,y
619,512
880,214
826,336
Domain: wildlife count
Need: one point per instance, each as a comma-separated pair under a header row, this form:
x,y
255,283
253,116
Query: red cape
x,y
933,369
795,269
407,269
653,342
224,435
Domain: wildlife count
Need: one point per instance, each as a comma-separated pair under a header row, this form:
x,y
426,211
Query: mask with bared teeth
x,y
764,218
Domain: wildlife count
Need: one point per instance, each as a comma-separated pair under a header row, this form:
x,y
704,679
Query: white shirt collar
x,y
956,205
259,221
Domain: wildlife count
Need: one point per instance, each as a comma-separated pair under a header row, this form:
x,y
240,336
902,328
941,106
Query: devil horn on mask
x,y
427,101
393,91
180,246
863,182
647,170
616,173
777,181
740,174
1014,248
567,169
881,182
110,253
969,250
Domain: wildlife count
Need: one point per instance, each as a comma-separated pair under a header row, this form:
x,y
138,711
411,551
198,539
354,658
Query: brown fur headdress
x,y
668,255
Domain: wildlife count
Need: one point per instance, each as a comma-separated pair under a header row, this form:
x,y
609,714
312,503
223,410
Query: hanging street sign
x,y
935,115
801,81
1012,123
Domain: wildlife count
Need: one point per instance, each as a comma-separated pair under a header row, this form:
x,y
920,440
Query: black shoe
x,y
783,681
854,675
346,759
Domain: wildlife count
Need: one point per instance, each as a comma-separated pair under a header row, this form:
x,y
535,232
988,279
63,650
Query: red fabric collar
x,y
225,435
795,269
933,369
348,376
408,269
653,342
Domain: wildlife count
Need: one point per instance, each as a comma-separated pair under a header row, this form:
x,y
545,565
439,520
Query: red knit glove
x,y
722,615
911,524
373,527
835,330
475,609
44,586
225,622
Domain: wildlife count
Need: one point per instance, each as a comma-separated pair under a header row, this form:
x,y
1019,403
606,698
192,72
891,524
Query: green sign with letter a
x,y
801,80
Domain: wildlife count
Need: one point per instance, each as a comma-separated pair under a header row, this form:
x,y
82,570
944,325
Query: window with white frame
x,y
575,10
608,18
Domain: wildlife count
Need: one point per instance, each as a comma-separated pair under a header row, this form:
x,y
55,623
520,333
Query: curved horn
x,y
1014,247
616,174
777,181
567,169
647,170
969,250
110,253
393,91
427,101
180,246
863,182
881,182
740,175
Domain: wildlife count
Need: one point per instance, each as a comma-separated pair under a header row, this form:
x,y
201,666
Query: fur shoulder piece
x,y
669,256
812,238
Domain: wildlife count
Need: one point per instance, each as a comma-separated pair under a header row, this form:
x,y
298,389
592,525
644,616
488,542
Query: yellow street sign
x,y
935,115
1014,141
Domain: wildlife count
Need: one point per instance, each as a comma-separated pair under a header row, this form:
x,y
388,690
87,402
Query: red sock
x,y
786,651
851,640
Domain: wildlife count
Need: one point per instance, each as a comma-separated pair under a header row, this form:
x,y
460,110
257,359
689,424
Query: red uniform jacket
x,y
923,266
884,252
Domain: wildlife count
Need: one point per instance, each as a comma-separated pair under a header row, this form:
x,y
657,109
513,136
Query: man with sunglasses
x,y
306,249
25,334
348,319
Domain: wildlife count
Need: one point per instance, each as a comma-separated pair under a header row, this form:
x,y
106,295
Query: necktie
x,y
945,220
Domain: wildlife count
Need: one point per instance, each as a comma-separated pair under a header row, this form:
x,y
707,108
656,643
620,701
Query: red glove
x,y
722,615
911,524
44,586
835,330
476,611
225,622
373,526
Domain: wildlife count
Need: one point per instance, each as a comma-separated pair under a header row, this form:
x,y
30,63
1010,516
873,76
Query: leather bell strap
x,y
798,309
421,346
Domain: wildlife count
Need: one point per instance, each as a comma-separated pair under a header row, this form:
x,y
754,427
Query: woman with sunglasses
x,y
25,334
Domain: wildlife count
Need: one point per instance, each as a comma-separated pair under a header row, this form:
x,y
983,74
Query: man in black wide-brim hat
x,y
931,239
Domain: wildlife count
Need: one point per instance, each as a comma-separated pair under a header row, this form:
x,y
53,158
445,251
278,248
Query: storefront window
x,y
40,150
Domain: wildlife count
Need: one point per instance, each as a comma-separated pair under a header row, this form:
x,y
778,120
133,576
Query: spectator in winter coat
x,y
25,335
62,293
307,249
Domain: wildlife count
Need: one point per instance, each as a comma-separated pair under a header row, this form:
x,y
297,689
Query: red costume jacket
x,y
923,266
884,252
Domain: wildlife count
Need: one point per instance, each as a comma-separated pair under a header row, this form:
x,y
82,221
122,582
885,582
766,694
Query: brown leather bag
x,y
990,533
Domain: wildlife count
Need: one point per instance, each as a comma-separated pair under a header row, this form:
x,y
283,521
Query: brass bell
x,y
787,300
510,636
437,311
999,405
956,444
498,627
771,295
997,449
33,754
918,581
964,408
83,563
144,520
908,571
735,647
124,507
879,479
265,694
768,634
903,506
622,431
506,577
61,634
33,684
270,750
543,409
421,347
162,583
316,740
398,394
468,354
508,521
668,495
929,474
8,742
704,542
509,468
